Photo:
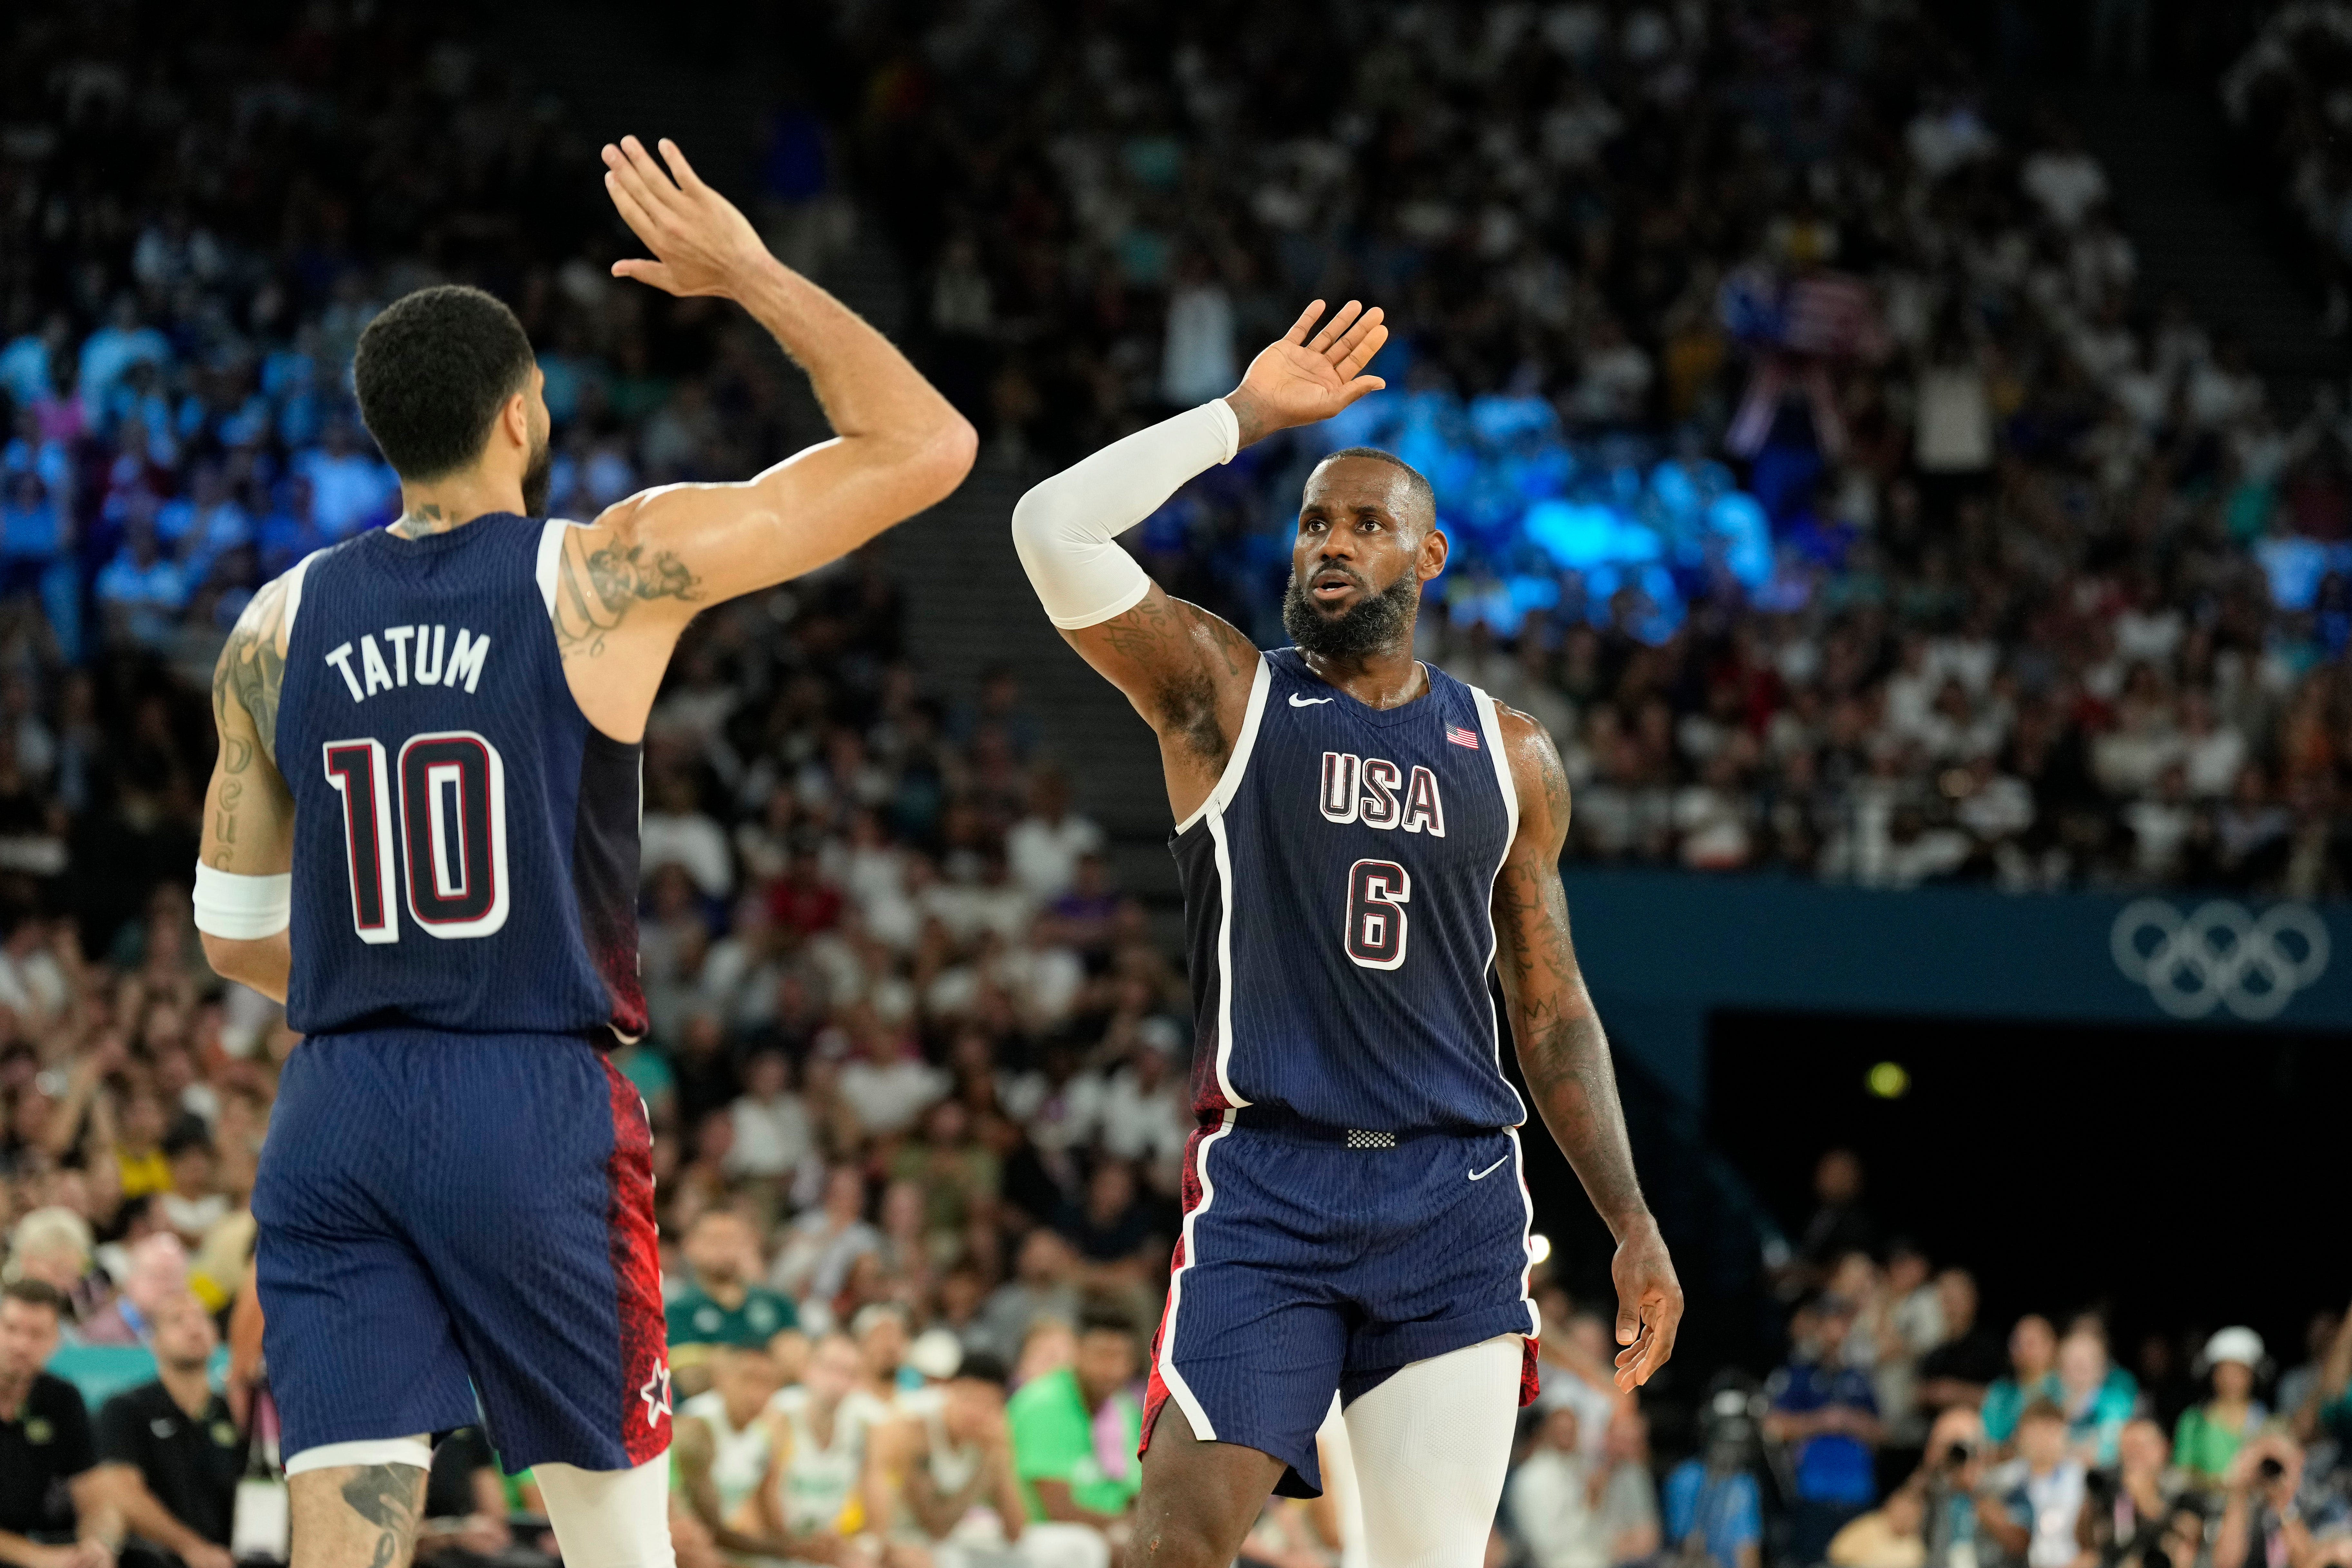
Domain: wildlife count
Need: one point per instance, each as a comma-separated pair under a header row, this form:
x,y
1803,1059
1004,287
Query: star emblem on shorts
x,y
655,1393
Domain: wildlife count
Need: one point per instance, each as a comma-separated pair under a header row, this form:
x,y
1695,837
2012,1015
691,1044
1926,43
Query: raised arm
x,y
626,585
1186,672
243,898
1564,1055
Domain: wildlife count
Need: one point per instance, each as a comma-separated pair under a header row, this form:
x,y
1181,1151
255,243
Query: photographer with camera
x,y
2271,1520
2127,1510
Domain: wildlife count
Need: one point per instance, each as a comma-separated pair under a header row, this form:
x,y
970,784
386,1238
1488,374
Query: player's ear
x,y
1433,550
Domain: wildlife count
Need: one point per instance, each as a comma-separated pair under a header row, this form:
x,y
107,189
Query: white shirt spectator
x,y
888,1096
773,1137
1549,1497
1197,361
1955,417
1144,1122
1044,852
691,840
2068,184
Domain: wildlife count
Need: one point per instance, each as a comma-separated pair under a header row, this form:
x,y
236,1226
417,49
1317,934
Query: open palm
x,y
1299,380
701,242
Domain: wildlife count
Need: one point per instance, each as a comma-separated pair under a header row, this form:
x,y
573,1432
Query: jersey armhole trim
x,y
294,591
1229,783
1490,720
551,555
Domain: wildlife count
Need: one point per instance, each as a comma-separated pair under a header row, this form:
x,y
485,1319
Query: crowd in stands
x,y
1815,466
2285,97
2029,583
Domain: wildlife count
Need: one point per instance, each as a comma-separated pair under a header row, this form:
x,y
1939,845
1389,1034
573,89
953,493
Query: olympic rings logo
x,y
2219,956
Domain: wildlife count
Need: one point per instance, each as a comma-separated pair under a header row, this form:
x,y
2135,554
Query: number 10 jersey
x,y
465,841
1339,886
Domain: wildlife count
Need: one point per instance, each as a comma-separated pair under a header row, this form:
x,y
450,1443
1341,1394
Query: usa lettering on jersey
x,y
1376,793
438,662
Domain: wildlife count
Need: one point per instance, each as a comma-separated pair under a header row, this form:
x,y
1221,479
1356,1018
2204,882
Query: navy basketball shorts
x,y
450,1218
1316,1259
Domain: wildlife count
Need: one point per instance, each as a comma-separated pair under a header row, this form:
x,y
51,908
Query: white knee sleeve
x,y
1431,1445
609,1518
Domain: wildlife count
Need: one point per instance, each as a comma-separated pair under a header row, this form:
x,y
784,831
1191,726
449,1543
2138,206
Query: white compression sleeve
x,y
242,908
1431,1445
1064,528
609,1518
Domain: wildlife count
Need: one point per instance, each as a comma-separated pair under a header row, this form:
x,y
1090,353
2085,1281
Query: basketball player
x,y
819,1493
422,834
1362,840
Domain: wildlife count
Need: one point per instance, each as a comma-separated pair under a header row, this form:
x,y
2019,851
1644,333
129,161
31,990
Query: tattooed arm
x,y
248,811
1564,1055
627,585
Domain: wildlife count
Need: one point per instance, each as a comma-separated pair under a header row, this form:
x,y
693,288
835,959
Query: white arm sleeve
x,y
241,908
1064,528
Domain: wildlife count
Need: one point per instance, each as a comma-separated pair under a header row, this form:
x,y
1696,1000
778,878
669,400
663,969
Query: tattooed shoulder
x,y
1535,760
601,576
252,670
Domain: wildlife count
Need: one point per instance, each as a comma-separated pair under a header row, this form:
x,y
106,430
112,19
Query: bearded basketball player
x,y
1363,840
421,835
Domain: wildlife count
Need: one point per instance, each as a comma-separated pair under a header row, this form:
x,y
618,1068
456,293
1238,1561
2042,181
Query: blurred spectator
x,y
1889,1536
1066,1476
2129,1511
2035,1500
51,1490
722,1445
1713,1509
170,1454
1963,1368
2210,1435
720,1303
1575,1512
2096,1396
773,1139
464,1522
1826,1411
158,1274
2032,1361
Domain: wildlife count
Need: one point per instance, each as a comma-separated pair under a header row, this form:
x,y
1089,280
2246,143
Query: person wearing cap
x,y
2210,1435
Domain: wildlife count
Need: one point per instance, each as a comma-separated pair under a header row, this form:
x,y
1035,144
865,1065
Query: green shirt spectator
x,y
722,1303
1075,1429
697,1318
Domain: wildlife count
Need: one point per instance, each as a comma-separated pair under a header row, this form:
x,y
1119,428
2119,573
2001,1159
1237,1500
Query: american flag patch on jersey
x,y
1462,737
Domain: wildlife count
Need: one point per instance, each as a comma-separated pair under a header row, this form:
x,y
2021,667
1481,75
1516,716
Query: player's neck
x,y
1387,677
453,502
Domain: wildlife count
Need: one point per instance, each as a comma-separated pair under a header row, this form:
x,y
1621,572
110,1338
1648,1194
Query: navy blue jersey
x,y
1338,889
464,842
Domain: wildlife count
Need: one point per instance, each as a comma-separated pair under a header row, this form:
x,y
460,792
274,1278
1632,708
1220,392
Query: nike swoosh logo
x,y
1482,1175
1298,701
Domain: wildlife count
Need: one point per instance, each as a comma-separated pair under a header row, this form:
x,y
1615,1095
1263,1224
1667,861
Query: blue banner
x,y
1663,949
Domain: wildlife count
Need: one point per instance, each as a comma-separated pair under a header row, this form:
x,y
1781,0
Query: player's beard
x,y
537,476
1373,623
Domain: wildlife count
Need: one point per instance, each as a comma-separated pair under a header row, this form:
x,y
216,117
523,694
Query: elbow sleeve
x,y
1066,529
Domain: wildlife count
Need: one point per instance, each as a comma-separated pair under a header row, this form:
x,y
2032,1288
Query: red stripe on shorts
x,y
636,1274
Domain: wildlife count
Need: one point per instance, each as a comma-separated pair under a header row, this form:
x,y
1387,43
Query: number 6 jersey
x,y
1339,887
464,842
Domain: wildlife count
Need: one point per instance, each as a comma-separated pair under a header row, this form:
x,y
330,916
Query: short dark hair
x,y
2042,1409
36,1293
431,370
1102,1316
1421,492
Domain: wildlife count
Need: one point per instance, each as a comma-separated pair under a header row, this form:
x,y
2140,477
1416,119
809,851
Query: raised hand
x,y
702,243
1299,380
